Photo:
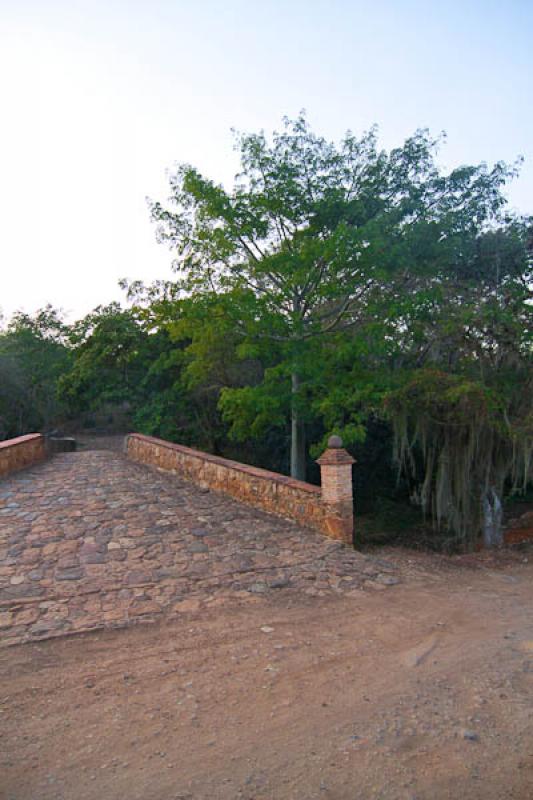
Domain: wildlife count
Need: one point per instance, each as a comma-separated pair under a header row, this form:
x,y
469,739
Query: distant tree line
x,y
335,289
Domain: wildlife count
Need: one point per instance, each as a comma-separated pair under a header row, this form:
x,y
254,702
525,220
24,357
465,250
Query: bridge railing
x,y
327,508
21,452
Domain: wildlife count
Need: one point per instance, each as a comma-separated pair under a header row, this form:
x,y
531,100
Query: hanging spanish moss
x,y
463,444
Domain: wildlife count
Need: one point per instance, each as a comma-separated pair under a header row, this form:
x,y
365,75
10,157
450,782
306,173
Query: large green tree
x,y
463,417
315,236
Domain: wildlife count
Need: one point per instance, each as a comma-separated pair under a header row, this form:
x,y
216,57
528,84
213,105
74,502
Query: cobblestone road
x,y
90,540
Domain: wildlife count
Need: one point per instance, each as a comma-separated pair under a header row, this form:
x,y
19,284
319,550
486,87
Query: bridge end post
x,y
337,492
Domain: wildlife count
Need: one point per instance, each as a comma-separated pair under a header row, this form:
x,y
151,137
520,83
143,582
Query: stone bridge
x,y
90,540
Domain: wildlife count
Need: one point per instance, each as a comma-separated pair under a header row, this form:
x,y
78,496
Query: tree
x,y
463,419
108,348
122,361
33,356
314,236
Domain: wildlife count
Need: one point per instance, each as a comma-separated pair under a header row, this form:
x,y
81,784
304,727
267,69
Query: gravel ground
x,y
421,692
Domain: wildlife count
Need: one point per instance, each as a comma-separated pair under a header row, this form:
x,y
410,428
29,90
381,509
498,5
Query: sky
x,y
100,98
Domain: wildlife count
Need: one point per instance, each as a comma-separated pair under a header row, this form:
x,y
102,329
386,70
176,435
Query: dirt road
x,y
420,692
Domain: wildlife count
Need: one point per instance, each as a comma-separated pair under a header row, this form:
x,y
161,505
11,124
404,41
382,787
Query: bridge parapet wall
x,y
21,452
302,502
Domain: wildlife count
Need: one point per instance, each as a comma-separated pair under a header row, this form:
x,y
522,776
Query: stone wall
x,y
21,452
269,491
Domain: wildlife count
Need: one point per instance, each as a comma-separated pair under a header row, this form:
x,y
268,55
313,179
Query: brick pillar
x,y
337,495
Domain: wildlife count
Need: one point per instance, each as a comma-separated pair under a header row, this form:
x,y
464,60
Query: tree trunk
x,y
492,519
298,453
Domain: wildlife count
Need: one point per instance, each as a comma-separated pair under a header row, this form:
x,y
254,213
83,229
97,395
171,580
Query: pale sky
x,y
100,97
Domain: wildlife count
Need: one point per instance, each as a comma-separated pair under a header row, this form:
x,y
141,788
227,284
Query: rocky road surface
x,y
91,540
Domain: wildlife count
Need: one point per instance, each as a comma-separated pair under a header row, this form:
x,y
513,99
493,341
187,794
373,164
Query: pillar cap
x,y
335,456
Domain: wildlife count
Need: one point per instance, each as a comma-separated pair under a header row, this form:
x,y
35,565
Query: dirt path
x,y
420,692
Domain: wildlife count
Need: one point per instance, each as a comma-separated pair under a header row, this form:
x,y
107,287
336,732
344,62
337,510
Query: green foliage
x,y
109,353
251,411
472,437
121,359
33,356
311,229
335,288
315,237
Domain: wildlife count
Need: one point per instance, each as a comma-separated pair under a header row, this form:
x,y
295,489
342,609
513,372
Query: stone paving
x,y
91,540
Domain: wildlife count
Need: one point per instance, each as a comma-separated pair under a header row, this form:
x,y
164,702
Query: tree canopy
x,y
33,355
334,288
315,237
